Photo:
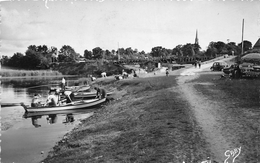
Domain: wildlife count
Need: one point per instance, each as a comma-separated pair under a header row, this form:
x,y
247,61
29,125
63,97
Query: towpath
x,y
221,131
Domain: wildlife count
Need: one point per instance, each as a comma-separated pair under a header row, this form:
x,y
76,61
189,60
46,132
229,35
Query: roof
x,y
251,57
257,44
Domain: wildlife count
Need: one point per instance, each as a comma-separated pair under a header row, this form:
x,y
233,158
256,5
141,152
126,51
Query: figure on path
x,y
63,82
167,72
199,64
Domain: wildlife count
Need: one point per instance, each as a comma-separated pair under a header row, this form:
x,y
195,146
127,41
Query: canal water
x,y
27,138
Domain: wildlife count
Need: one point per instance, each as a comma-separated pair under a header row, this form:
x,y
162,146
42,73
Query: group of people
x,y
197,63
54,96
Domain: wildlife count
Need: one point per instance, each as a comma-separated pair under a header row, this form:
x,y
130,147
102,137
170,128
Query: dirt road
x,y
221,134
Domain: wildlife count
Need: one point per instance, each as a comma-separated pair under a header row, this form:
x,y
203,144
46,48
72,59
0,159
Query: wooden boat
x,y
75,105
77,88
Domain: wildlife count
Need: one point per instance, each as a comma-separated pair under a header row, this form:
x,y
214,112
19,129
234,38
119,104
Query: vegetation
x,y
43,57
83,69
27,73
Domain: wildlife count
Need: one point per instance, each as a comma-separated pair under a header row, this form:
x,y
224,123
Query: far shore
x,y
54,76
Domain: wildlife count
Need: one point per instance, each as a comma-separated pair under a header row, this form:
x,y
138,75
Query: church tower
x,y
196,38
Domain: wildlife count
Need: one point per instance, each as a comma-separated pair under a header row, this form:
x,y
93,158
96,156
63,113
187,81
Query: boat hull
x,y
76,105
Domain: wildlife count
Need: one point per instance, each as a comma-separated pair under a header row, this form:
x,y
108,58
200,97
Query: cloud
x,y
17,29
19,26
10,47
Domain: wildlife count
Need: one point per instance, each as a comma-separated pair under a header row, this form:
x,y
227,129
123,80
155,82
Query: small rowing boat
x,y
77,88
71,106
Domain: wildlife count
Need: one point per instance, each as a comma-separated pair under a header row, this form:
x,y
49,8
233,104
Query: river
x,y
28,138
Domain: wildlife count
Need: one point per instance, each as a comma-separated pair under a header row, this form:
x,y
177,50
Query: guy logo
x,y
232,154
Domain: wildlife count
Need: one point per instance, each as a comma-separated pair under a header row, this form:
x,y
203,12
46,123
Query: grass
x,y
240,101
148,123
27,73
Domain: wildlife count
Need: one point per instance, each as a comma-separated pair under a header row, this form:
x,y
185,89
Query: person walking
x,y
63,82
199,64
195,63
167,72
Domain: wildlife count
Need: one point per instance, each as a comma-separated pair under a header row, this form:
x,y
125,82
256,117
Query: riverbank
x,y
168,119
148,123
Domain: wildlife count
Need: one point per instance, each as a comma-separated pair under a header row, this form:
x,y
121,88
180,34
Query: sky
x,y
139,24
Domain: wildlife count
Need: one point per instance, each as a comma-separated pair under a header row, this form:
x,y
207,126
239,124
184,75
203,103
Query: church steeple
x,y
196,39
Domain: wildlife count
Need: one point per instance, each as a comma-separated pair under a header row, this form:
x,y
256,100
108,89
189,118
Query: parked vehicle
x,y
218,66
229,69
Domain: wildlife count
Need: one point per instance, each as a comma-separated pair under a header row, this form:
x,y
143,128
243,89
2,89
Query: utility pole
x,y
242,51
118,53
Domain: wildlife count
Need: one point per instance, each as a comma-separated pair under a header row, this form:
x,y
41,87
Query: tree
x,y
33,59
196,48
129,51
220,46
113,52
32,47
68,54
108,55
232,48
247,45
87,54
97,53
211,50
187,49
16,60
177,50
120,53
5,60
157,51
42,49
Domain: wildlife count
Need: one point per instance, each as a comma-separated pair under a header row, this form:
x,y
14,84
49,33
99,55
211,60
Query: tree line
x,y
41,57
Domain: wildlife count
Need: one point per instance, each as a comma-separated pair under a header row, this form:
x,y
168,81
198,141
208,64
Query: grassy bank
x,y
148,122
28,73
239,102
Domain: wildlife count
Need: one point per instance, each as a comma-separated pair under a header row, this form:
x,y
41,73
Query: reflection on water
x,y
67,116
51,119
21,133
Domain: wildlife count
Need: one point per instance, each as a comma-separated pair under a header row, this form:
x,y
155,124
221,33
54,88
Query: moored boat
x,y
71,106
77,88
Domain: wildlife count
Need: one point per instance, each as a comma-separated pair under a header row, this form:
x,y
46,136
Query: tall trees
x,y
33,59
87,54
16,60
247,45
68,54
156,51
97,53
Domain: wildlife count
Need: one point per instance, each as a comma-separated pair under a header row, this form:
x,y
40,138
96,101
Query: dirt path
x,y
206,114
